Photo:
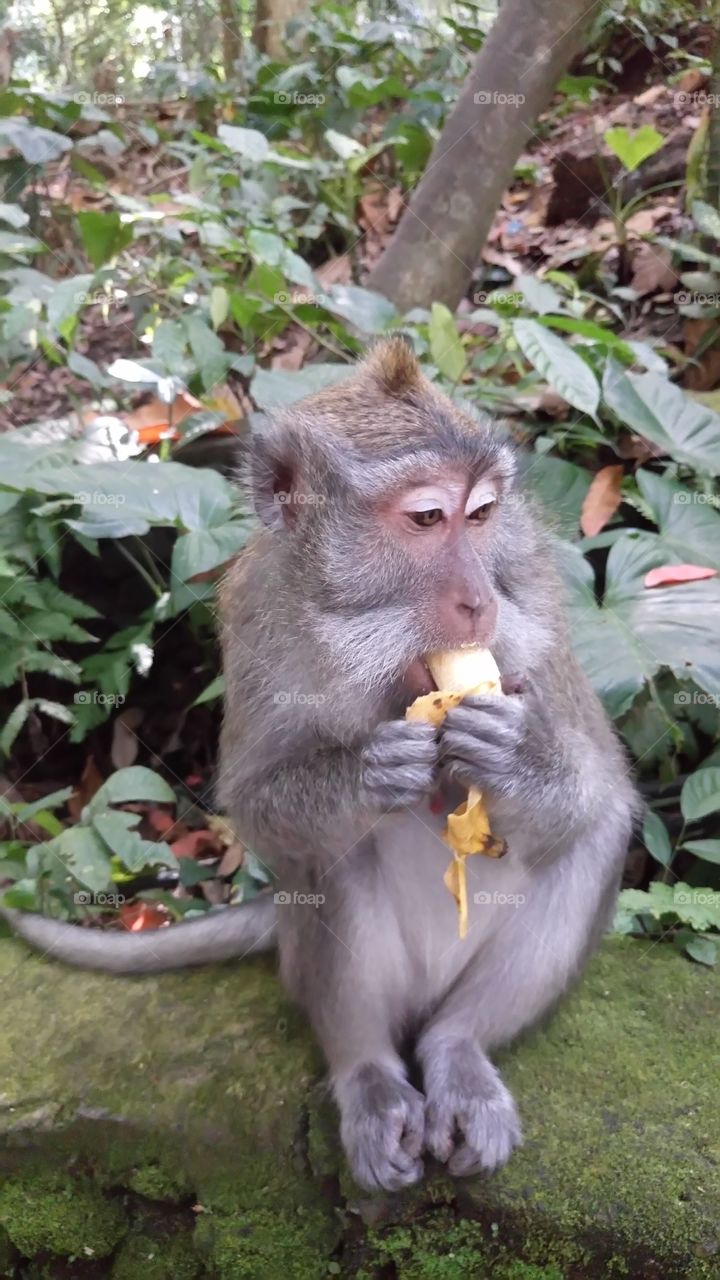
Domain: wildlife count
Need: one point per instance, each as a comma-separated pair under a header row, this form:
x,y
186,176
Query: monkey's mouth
x,y
416,679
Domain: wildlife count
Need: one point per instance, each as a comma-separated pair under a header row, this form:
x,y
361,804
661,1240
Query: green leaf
x,y
169,342
561,487
104,235
700,794
13,725
697,907
67,299
204,549
57,798
634,632
446,349
708,850
688,521
14,216
539,295
84,855
706,217
249,143
214,690
564,371
347,148
87,369
22,895
703,950
276,388
208,351
35,144
632,148
368,311
134,852
135,784
662,413
219,305
656,838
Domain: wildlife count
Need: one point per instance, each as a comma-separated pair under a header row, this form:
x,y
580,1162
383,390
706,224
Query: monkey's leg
x,y
346,963
538,941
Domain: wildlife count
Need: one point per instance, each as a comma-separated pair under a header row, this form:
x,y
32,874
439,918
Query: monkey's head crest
x,y
393,365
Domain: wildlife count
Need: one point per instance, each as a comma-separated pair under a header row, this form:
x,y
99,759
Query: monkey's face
x,y
402,568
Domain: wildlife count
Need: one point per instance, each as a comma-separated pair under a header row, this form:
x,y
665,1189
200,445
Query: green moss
x,y
445,1249
153,1181
62,1215
156,1259
266,1244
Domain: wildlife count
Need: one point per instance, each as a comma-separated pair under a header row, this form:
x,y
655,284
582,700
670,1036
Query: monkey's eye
x,y
481,513
426,519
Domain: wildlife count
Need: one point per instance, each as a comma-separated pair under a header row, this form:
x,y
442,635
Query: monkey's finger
x,y
483,730
510,708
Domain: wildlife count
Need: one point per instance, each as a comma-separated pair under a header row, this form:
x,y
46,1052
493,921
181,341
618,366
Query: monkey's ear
x,y
271,470
393,365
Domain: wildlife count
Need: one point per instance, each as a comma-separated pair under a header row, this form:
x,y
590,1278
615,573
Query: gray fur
x,y
323,617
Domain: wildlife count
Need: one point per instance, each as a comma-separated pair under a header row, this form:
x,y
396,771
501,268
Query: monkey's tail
x,y
229,934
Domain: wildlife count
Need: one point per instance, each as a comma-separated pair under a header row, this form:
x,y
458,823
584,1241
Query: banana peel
x,y
457,673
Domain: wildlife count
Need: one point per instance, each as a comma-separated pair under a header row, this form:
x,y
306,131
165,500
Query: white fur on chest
x,y
413,859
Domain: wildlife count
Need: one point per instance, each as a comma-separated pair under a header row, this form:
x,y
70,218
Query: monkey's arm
x,y
319,797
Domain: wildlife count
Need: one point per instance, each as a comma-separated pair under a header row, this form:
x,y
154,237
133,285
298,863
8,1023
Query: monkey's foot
x,y
471,1122
382,1127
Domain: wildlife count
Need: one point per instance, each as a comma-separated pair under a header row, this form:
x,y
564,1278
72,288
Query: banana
x,y
457,673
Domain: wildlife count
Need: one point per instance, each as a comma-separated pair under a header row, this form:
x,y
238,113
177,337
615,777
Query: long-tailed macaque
x,y
394,527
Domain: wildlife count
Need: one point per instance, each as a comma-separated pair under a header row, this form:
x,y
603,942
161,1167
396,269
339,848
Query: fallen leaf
x,y
601,500
232,859
194,843
669,575
138,916
652,270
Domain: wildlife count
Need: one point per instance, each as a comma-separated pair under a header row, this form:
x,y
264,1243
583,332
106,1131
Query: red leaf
x,y
670,574
601,500
161,821
137,916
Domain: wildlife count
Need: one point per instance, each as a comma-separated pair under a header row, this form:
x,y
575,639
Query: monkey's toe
x,y
471,1121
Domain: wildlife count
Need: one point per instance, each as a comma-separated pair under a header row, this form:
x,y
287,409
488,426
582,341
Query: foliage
x,y
206,280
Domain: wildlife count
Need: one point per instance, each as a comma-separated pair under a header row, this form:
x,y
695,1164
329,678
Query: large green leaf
x,y
204,549
688,522
275,388
700,908
68,297
632,148
35,144
635,631
561,487
129,786
662,413
564,370
115,828
366,310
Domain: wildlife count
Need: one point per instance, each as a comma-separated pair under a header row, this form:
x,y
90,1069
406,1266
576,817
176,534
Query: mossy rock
x,y
197,1095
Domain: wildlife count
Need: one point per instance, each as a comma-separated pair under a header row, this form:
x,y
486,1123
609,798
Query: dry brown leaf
x,y
231,860
125,745
705,375
91,781
652,270
601,500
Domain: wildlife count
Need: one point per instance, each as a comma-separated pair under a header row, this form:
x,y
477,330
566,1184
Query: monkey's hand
x,y
400,764
483,743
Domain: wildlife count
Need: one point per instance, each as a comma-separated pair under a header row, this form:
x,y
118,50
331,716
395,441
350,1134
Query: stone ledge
x,y
174,1128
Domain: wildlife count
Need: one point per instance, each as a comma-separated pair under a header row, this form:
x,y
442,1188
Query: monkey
x,y
394,524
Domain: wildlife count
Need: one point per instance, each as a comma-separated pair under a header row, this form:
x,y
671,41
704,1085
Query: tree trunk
x,y
435,249
231,37
271,19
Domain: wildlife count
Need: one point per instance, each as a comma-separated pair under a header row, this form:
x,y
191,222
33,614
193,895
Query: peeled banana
x,y
457,673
